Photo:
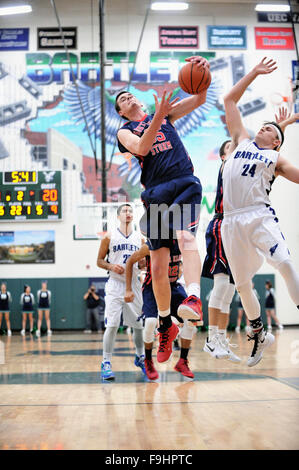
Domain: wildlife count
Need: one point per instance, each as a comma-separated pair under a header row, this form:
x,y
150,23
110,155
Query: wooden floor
x,y
52,397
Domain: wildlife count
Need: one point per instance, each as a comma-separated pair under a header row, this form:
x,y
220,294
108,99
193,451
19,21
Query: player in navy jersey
x,y
216,267
171,198
150,311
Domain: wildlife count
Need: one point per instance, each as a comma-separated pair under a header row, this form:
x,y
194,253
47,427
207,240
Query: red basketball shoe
x,y
151,372
165,343
191,309
182,366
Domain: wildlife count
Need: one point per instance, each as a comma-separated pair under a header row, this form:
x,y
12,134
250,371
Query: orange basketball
x,y
194,79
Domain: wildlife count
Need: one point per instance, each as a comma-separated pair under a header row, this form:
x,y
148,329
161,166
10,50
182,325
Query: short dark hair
x,y
116,105
121,206
273,123
221,150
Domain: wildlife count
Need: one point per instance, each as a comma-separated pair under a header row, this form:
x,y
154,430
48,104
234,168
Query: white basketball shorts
x,y
248,237
115,305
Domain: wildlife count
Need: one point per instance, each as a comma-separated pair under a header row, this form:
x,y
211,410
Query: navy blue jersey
x,y
174,265
27,301
167,159
219,193
43,298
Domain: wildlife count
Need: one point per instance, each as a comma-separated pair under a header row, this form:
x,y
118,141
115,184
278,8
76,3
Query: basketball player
x,y
250,227
216,267
43,305
171,189
118,246
5,301
27,302
150,311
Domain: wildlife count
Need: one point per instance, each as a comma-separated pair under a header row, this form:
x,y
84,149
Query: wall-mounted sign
x,y
51,38
24,247
277,17
14,39
274,38
227,37
183,37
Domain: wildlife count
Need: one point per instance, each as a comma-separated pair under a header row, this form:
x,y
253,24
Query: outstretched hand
x,y
282,115
165,106
265,67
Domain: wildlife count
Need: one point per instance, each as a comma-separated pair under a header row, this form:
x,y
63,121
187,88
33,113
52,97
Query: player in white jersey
x,y
118,246
250,227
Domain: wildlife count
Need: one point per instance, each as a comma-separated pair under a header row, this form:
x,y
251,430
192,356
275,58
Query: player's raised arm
x,y
287,170
141,146
233,117
284,118
134,258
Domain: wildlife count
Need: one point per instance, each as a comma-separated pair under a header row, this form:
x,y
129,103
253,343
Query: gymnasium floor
x,y
51,397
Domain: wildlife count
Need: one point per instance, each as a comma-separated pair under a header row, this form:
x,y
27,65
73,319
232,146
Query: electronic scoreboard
x,y
30,195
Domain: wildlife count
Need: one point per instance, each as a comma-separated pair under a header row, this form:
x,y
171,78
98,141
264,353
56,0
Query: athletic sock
x,y
193,289
148,354
184,353
257,325
212,331
222,333
164,323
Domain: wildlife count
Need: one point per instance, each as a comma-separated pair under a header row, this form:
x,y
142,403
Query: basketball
x,y
193,79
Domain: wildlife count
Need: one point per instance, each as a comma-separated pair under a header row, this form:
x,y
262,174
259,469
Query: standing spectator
x,y
92,303
5,301
270,306
43,305
27,302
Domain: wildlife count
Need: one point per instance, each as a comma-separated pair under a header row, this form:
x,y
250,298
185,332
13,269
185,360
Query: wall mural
x,y
55,113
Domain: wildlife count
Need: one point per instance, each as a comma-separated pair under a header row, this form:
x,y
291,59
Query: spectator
x,y
92,303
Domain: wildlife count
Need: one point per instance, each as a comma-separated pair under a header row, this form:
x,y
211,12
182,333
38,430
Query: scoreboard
x,y
30,195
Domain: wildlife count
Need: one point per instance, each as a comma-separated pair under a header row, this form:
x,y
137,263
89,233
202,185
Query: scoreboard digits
x,y
30,195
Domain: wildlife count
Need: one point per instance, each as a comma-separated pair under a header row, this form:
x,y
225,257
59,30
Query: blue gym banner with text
x,y
227,37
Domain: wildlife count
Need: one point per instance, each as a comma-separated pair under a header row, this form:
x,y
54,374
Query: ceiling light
x,y
15,10
266,7
169,6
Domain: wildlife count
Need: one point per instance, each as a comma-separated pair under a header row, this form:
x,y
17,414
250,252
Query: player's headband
x,y
278,131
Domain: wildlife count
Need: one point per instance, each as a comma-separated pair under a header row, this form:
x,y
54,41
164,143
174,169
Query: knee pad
x,y
221,282
187,331
149,329
228,297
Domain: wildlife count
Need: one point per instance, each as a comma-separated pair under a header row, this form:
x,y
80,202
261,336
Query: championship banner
x,y
51,38
227,37
14,39
274,38
182,37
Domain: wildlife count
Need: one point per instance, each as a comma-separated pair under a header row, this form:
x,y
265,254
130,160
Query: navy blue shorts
x,y
149,309
170,206
215,261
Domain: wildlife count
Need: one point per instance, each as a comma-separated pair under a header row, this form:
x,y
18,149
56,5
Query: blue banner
x,y
14,39
227,37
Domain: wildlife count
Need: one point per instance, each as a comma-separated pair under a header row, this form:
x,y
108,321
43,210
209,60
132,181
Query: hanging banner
x,y
226,37
51,38
182,37
14,39
277,17
24,247
274,38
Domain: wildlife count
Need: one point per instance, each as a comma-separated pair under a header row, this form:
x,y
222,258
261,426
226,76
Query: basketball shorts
x,y
149,309
115,305
215,261
170,206
249,237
